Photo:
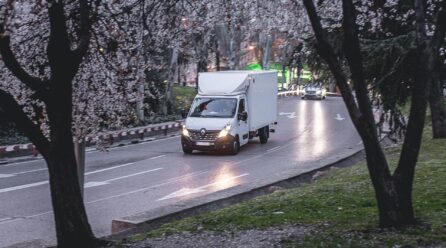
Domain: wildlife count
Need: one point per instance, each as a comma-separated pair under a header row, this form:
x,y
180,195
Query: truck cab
x,y
227,120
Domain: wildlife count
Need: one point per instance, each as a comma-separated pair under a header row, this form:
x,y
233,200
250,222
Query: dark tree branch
x,y
353,55
326,52
59,42
35,83
14,112
440,28
85,33
420,23
405,170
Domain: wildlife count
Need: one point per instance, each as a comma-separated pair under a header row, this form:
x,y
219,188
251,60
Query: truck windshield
x,y
213,107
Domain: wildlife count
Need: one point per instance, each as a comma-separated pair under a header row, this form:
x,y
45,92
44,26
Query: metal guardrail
x,y
107,139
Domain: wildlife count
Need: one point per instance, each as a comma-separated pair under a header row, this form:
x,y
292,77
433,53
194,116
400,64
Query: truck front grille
x,y
209,135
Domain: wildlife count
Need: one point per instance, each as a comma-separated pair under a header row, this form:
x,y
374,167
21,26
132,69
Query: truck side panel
x,y
262,98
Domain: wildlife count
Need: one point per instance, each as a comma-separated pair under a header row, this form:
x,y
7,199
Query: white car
x,y
314,91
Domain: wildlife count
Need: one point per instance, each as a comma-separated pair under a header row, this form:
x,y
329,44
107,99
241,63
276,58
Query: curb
x,y
288,93
152,219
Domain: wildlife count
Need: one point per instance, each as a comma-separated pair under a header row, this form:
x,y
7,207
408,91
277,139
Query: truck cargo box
x,y
260,88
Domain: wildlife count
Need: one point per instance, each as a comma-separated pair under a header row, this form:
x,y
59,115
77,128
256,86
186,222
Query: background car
x,y
314,91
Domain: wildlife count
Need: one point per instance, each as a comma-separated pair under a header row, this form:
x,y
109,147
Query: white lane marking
x,y
177,179
290,115
169,181
273,149
188,191
339,117
25,186
134,174
24,162
9,218
160,156
150,142
182,192
37,215
359,143
107,169
96,184
9,221
6,175
30,171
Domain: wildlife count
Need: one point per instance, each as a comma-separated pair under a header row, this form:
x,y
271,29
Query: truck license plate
x,y
204,143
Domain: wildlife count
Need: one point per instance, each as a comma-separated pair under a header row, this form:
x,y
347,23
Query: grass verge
x,y
341,208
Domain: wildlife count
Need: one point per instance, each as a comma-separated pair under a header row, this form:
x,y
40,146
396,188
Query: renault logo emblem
x,y
203,132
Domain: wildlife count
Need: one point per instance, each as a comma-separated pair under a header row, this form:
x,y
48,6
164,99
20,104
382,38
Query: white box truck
x,y
230,108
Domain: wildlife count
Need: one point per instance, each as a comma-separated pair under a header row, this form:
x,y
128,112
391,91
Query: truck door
x,y
243,126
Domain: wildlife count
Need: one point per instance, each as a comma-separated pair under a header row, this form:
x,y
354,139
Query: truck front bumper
x,y
220,144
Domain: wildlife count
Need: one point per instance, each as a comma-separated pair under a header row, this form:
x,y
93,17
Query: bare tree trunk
x,y
283,73
172,78
140,100
438,110
72,227
393,192
266,52
79,153
217,55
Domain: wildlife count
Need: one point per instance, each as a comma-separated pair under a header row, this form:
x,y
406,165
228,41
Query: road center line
x,y
9,218
160,156
169,181
24,162
107,169
30,171
25,186
134,174
188,191
6,175
273,149
30,185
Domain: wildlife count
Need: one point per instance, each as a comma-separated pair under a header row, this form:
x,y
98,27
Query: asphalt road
x,y
132,179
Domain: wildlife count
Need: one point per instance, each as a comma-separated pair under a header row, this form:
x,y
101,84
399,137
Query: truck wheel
x,y
264,134
235,147
187,150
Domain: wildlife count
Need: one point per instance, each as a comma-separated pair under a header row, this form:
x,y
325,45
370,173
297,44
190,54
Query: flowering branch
x,y
35,83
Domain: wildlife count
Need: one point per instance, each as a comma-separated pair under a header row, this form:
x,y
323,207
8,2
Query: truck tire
x,y
264,134
235,148
187,150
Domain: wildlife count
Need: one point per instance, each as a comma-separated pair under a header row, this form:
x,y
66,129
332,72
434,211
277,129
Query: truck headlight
x,y
318,92
185,131
225,131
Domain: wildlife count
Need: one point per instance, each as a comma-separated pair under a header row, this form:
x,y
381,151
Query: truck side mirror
x,y
243,116
184,113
